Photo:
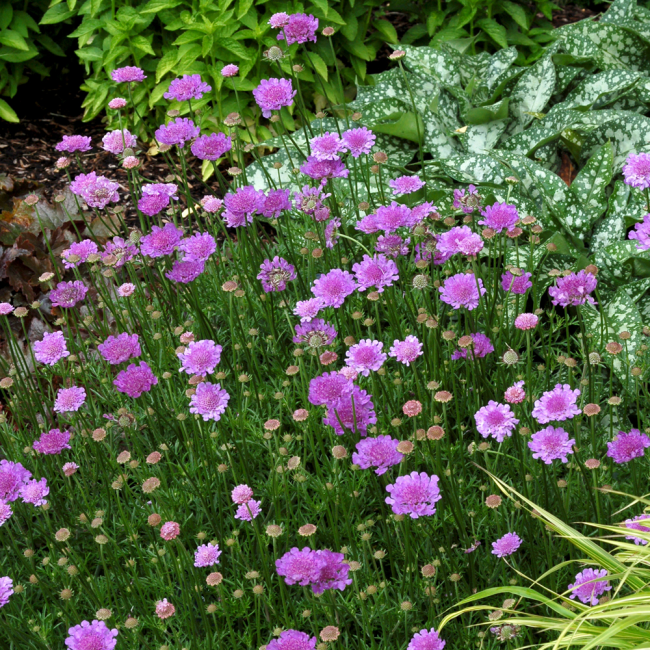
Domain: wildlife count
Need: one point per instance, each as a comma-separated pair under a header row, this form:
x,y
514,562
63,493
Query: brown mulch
x,y
571,14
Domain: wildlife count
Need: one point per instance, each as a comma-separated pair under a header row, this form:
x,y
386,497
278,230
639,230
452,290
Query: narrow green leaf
x,y
12,38
495,31
156,6
7,113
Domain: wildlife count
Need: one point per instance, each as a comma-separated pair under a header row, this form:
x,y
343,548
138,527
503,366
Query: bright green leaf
x,y
7,113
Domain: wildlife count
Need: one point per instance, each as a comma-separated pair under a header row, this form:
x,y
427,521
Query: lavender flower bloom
x,y
122,251
634,524
311,198
242,205
198,247
275,274
5,512
209,401
406,185
391,217
426,640
406,351
96,191
506,545
68,294
516,284
557,405
69,399
637,170
308,309
299,28
627,446
332,232
53,442
414,495
156,197
299,566
206,555
481,347
34,492
292,640
315,334
117,141
12,478
462,290
328,388
248,511
392,245
241,494
334,287
589,585
380,452
80,250
327,146
273,94
515,394
187,87
319,169
128,74
352,411
551,444
161,241
333,572
526,322
185,271
279,20
366,355
72,143
6,590
420,212
91,636
211,204
51,348
276,202
359,141
500,217
200,357
135,380
428,250
496,420
377,271
178,131
467,203
211,147
230,70
573,289
459,239
120,348
368,224
641,234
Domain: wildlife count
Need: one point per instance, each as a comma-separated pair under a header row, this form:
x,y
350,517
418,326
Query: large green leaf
x,y
611,228
602,84
479,138
7,113
439,64
532,92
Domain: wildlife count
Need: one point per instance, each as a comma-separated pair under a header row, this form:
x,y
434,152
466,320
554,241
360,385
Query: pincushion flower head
x,y
187,87
211,147
641,234
551,444
496,421
310,199
557,405
366,355
5,512
96,191
198,248
161,241
526,321
377,272
135,380
68,294
352,412
13,476
333,572
481,347
333,287
359,141
328,388
500,217
207,555
121,250
53,442
414,495
380,453
242,205
462,290
515,394
164,609
426,640
155,198
459,239
299,28
627,446
467,202
274,94
248,511
170,530
327,146
72,143
292,640
51,348
275,274
406,351
34,492
299,566
200,357
589,585
80,250
636,170
177,132
91,636
314,334
120,348
406,185
640,523
185,271
506,545
573,290
241,494
119,140
128,74
308,309
276,202
230,70
209,401
6,590
391,217
320,169
392,245
516,284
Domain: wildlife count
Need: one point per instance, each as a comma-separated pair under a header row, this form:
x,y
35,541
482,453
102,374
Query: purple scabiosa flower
x,y
352,411
589,585
573,289
230,70
328,388
314,334
123,251
243,204
414,495
275,202
380,452
481,347
516,284
462,290
359,141
500,217
117,102
135,380
178,131
156,197
6,590
406,185
308,309
275,274
319,169
211,204
641,234
12,478
6,308
241,494
69,469
209,401
69,399
200,357
198,247
420,212
506,545
637,170
185,271
5,512
311,199
68,294
248,511
368,224
551,444
292,640
557,405
117,141
299,28
51,348
495,420
334,287
53,442
627,446
406,351
34,492
279,20
459,239
187,87
392,245
161,241
327,146
333,572
515,394
426,640
377,271
72,143
273,94
631,524
299,566
332,232
96,191
391,217
120,348
366,355
428,250
206,555
91,636
211,147
128,74
526,322
467,203
80,250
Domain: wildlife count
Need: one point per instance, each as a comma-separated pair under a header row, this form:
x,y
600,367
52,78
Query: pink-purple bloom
x,y
366,355
178,131
334,287
279,20
91,636
414,495
72,143
187,87
551,444
6,590
248,511
292,640
327,146
185,271
406,185
515,394
96,191
506,545
34,492
241,494
380,453
161,241
274,94
516,283
275,274
377,272
12,478
135,380
207,555
275,203
352,411
198,247
459,239
242,205
321,569
481,347
462,290
589,585
211,147
426,640
526,321
328,388
392,245
120,348
119,140
632,524
68,294
359,141
209,401
123,251
200,357
51,348
573,289
641,234
310,199
495,420
299,28
406,351
467,202
81,249
308,309
229,70
500,217
128,74
636,170
391,217
156,197
319,169
314,334
69,399
627,446
557,405
5,512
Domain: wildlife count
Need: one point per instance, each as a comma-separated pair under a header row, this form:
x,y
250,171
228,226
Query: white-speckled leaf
x,y
566,74
256,176
620,12
611,228
480,138
532,92
439,64
436,139
620,262
476,169
499,63
600,86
